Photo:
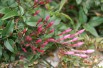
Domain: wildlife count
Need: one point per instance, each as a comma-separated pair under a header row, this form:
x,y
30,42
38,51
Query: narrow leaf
x,y
9,15
0,51
95,21
78,1
8,46
91,29
9,29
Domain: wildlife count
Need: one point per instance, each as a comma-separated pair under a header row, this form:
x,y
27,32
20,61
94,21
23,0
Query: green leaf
x,y
82,16
9,15
91,29
21,10
95,21
5,10
31,23
55,19
78,1
62,4
1,22
8,46
0,51
9,29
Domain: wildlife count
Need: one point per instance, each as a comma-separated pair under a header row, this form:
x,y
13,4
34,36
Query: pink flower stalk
x,y
44,44
66,31
84,51
81,55
39,21
50,24
47,18
51,31
37,12
73,40
79,32
69,53
24,49
38,41
77,44
28,38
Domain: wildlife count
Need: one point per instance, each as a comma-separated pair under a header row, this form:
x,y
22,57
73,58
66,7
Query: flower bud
x,y
47,18
44,44
38,41
69,53
37,12
66,31
50,24
39,21
24,31
24,49
28,39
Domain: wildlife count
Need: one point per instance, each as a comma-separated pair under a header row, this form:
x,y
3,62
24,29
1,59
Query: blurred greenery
x,y
16,15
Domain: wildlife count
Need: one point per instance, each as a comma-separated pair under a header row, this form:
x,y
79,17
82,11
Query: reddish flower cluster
x,y
31,38
37,42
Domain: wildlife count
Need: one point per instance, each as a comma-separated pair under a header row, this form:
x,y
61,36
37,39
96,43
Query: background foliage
x,y
16,15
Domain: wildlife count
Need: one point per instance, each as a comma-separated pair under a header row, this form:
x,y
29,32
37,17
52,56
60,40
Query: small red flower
x,y
24,49
38,41
41,51
24,31
28,39
37,12
50,24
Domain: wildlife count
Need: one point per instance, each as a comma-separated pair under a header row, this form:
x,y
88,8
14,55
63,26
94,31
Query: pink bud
x,y
80,31
33,48
51,31
24,49
51,40
39,29
69,52
66,36
44,44
24,31
47,18
41,2
73,40
77,44
38,41
27,45
39,21
41,51
37,12
50,24
90,51
28,38
35,0
66,31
